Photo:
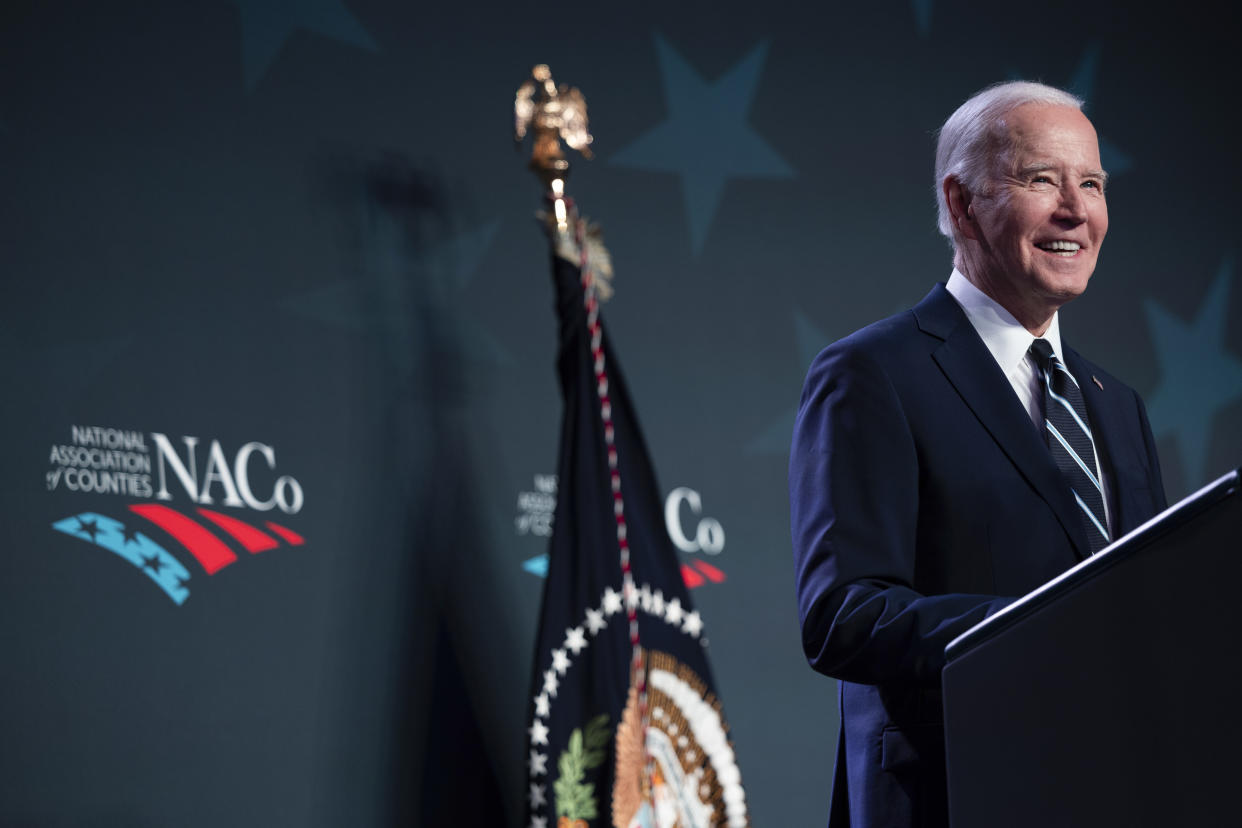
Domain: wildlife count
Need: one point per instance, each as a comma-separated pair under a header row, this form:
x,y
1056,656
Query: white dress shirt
x,y
1010,344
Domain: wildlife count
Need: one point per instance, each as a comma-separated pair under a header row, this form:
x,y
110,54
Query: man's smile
x,y
1064,249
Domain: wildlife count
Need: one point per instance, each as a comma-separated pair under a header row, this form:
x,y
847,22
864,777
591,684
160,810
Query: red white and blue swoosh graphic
x,y
203,544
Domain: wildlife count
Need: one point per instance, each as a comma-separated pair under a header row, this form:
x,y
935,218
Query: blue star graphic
x,y
706,139
922,15
401,288
88,527
1197,377
774,439
267,24
1082,84
140,551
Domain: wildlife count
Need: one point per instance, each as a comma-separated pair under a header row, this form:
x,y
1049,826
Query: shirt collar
x,y
1005,337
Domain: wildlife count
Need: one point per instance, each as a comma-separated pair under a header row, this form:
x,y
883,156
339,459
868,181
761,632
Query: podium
x,y
1112,695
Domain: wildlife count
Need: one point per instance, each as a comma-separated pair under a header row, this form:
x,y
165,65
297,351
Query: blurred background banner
x,y
280,391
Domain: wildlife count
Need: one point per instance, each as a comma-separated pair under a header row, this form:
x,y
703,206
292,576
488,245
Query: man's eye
x,y
1093,184
1041,179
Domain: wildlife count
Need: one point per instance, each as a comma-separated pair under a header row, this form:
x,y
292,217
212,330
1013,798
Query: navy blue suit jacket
x,y
923,500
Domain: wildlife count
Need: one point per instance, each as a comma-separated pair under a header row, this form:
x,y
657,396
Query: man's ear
x,y
961,207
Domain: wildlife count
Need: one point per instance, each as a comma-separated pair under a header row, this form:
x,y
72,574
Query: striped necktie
x,y
1068,433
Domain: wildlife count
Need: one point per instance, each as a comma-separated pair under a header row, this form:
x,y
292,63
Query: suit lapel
x,y
970,368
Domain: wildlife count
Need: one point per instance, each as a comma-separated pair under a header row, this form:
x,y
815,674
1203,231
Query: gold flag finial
x,y
554,114
557,114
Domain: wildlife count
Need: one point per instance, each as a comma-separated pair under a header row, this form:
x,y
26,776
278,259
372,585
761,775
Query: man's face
x,y
1041,217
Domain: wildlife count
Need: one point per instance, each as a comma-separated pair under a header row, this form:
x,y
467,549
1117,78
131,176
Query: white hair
x,y
970,138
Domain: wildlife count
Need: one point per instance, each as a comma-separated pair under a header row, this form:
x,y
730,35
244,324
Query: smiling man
x,y
956,456
1028,231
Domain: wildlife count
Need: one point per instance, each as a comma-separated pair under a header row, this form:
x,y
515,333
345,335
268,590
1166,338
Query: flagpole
x,y
556,114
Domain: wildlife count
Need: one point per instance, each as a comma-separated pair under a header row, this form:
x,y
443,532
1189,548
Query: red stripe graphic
x,y
254,540
207,549
713,574
289,535
692,578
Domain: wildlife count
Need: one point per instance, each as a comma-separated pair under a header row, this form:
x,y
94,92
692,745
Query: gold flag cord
x,y
555,114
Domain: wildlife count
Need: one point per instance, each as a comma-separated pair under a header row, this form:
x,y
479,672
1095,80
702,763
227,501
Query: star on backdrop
x,y
400,288
267,24
775,437
1198,378
922,15
1082,83
706,139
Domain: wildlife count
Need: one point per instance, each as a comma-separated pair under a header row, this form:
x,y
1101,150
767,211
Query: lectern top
x,y
1167,522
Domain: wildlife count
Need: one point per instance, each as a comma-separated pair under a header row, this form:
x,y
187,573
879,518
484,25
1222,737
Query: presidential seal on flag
x,y
679,771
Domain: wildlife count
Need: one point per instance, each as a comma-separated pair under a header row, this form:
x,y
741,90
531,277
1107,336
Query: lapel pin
x,y
1096,380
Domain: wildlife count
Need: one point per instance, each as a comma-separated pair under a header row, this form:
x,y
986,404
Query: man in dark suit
x,y
944,462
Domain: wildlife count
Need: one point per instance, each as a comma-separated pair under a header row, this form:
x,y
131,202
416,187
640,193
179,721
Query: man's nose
x,y
1073,205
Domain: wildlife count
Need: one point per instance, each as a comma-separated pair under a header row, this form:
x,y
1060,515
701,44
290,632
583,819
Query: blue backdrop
x,y
275,260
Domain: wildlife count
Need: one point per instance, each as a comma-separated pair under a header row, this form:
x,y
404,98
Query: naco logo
x,y
110,461
691,533
234,485
708,535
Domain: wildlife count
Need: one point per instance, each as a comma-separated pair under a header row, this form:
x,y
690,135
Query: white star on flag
x,y
575,639
538,763
542,822
612,601
693,624
537,796
631,596
645,595
538,733
673,611
657,603
595,621
541,704
560,662
550,683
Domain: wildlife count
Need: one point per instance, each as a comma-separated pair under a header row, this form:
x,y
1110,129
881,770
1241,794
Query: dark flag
x,y
625,726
